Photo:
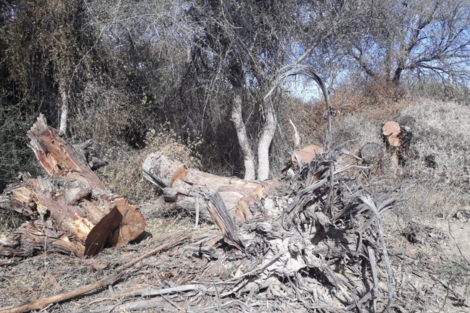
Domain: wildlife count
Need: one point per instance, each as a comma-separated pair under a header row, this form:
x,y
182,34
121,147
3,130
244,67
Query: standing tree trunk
x,y
242,136
269,129
64,109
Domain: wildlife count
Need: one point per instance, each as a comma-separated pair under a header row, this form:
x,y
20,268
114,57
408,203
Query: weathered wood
x,y
59,158
221,216
306,154
73,201
178,184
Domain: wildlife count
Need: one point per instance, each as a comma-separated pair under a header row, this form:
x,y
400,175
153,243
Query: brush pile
x,y
312,242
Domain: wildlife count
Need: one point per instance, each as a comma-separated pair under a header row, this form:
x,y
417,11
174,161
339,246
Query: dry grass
x,y
441,131
123,175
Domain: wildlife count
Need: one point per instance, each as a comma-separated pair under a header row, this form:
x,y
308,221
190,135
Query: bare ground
x,y
426,273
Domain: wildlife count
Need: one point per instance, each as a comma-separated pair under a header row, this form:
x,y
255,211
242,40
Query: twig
x,y
41,303
368,201
256,271
133,306
172,303
460,297
223,306
374,276
160,292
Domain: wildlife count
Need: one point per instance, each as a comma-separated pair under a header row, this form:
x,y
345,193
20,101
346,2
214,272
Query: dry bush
x,y
354,131
374,100
123,175
309,120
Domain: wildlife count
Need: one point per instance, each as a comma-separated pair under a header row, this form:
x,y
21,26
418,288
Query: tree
x,y
416,37
254,47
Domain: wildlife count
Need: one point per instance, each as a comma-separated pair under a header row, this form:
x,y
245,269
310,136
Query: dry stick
x,y
373,268
459,297
318,184
132,306
145,292
223,306
368,201
42,303
197,210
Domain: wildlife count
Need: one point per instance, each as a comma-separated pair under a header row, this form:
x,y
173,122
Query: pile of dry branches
x,y
323,250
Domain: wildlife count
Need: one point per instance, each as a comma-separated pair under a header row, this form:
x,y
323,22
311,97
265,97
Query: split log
x,y
179,183
59,158
70,211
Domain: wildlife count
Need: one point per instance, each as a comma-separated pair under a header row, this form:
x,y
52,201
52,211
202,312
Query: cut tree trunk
x,y
371,153
305,155
71,210
180,184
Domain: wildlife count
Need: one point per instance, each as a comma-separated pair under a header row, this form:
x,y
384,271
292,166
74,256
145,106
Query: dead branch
x,y
109,280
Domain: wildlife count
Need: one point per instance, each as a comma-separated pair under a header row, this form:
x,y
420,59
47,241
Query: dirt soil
x,y
425,272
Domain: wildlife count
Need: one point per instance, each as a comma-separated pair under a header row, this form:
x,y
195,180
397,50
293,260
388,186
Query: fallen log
x,y
69,211
179,184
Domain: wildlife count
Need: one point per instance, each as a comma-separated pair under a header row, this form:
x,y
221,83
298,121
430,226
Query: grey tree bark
x,y
237,118
64,109
269,129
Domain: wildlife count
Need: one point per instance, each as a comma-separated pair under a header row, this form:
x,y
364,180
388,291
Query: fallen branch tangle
x,y
315,251
314,242
109,280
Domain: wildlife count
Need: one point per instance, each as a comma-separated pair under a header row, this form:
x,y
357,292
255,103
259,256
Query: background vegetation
x,y
142,75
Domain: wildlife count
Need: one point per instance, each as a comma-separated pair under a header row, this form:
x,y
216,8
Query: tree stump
x,y
371,153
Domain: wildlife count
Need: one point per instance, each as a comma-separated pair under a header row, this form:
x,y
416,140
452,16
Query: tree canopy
x,y
116,69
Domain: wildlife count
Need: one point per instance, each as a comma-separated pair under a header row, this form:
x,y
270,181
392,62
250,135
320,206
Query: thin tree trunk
x,y
64,109
242,136
269,129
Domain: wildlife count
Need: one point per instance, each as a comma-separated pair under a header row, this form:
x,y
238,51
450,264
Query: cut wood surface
x,y
391,130
306,154
79,214
178,183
